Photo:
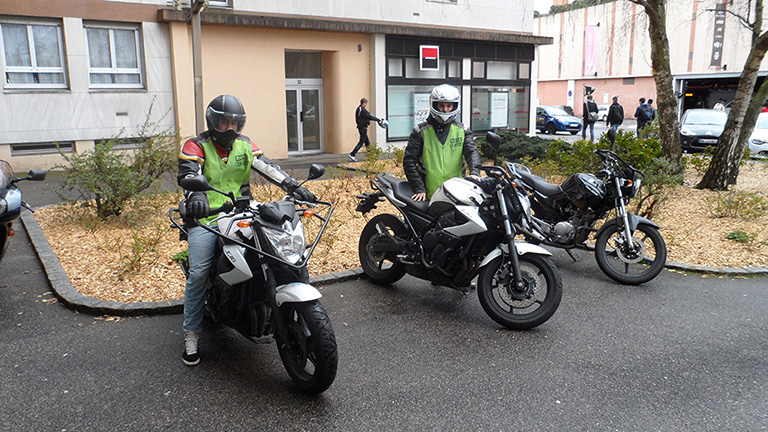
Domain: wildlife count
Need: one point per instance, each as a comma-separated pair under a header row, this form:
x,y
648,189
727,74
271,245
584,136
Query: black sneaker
x,y
190,357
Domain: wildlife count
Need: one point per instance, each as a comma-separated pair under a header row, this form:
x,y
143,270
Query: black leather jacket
x,y
414,169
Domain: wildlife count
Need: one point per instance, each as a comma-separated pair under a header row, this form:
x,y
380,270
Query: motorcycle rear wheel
x,y
631,268
520,310
383,267
310,355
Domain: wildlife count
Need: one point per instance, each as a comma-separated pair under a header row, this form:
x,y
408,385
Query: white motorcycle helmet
x,y
444,93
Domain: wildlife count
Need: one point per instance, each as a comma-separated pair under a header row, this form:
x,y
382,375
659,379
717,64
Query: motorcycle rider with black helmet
x,y
225,158
438,147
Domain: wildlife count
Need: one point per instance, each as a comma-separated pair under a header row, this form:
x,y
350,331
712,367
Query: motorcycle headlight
x,y
636,187
3,205
288,241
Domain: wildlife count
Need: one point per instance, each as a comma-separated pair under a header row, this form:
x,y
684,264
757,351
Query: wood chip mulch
x,y
128,259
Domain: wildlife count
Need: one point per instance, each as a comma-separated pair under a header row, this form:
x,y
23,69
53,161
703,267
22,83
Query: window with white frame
x,y
32,55
114,56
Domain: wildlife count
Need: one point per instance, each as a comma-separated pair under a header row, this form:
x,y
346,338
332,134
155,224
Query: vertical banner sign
x,y
718,36
430,57
589,50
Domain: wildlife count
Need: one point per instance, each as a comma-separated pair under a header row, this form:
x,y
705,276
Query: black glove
x,y
197,206
303,194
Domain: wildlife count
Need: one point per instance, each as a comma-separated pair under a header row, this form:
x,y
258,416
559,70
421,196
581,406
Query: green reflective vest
x,y
226,175
442,161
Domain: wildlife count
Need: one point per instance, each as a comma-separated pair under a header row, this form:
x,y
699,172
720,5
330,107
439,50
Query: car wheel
x,y
551,129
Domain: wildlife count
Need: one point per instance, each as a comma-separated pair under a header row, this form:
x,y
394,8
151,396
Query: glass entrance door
x,y
304,119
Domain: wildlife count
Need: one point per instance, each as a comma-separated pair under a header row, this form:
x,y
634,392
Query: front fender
x,y
296,292
634,221
522,249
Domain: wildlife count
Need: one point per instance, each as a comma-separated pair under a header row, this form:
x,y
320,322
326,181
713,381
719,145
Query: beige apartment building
x,y
79,71
607,47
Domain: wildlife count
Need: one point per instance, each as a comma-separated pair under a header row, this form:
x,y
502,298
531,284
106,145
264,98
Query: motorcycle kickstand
x,y
568,251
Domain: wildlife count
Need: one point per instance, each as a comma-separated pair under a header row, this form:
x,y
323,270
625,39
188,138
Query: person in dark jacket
x,y
589,107
438,147
643,115
615,115
225,158
363,119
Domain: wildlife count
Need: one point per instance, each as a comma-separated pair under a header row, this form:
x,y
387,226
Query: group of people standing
x,y
645,114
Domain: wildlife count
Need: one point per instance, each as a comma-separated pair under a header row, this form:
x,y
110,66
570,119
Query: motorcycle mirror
x,y
196,183
493,139
316,171
36,175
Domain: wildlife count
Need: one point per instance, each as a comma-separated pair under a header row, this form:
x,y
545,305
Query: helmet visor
x,y
223,122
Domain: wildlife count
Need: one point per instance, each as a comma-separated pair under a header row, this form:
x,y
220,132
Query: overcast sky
x,y
542,6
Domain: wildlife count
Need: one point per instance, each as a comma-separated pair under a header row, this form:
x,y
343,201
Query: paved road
x,y
681,353
600,129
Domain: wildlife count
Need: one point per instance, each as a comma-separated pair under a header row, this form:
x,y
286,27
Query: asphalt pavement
x,y
683,352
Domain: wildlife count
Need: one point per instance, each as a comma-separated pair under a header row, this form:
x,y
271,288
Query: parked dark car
x,y
700,128
552,119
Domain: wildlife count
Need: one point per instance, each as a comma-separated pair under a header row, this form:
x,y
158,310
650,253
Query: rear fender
x,y
522,249
296,292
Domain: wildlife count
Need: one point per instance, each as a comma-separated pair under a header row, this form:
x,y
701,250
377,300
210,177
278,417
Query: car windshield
x,y
762,122
555,111
706,117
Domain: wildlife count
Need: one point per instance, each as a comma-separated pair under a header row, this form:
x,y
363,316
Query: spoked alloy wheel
x,y
381,266
631,267
525,308
309,355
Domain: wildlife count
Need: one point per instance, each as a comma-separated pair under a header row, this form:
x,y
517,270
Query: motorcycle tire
x,y
310,355
520,311
381,268
631,269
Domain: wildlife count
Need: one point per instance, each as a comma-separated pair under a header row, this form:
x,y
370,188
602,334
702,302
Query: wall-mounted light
x,y
359,47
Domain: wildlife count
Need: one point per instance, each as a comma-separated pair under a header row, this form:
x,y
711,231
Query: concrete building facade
x,y
299,67
608,47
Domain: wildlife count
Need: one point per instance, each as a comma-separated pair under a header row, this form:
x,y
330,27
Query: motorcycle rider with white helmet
x,y
438,147
225,158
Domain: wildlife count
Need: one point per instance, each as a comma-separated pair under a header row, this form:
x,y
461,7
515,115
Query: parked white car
x,y
758,141
602,113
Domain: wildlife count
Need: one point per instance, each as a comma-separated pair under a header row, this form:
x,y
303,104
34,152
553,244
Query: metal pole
x,y
197,68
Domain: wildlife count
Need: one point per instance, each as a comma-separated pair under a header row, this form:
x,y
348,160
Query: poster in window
x,y
499,110
420,107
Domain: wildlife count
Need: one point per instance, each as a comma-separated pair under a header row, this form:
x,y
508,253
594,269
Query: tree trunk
x,y
669,127
724,168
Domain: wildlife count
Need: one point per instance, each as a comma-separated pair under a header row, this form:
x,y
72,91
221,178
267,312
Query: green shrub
x,y
737,204
109,179
514,147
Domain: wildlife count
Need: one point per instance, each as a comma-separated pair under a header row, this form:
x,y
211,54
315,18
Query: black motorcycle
x,y
259,283
465,231
10,201
628,248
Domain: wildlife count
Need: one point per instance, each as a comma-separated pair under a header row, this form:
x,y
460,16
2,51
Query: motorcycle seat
x,y
403,192
539,184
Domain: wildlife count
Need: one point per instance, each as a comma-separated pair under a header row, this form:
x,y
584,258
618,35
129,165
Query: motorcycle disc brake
x,y
631,257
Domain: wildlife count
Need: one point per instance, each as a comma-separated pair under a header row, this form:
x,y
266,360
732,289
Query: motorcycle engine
x,y
563,232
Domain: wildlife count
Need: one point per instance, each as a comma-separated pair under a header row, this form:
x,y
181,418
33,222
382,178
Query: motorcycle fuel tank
x,y
458,191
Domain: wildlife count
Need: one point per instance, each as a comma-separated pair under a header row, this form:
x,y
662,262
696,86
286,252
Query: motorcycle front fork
x,y
622,209
510,236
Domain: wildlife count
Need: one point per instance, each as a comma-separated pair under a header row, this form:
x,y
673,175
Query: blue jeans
x,y
615,127
591,131
202,248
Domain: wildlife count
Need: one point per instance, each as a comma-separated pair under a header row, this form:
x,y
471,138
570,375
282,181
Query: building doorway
x,y
304,102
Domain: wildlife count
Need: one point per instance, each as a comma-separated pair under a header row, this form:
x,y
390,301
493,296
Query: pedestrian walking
x,y
643,115
615,115
362,120
590,118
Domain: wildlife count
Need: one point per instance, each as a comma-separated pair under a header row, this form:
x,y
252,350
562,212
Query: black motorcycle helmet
x,y
225,117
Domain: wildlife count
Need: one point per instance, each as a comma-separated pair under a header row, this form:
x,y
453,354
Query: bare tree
x,y
669,127
724,167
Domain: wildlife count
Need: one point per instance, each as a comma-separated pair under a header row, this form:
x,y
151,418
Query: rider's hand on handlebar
x,y
303,194
421,196
197,205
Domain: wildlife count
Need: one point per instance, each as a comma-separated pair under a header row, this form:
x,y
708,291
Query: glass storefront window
x,y
396,67
303,64
501,70
500,108
412,69
407,106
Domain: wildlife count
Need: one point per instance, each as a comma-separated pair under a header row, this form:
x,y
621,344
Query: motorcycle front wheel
x,y
631,267
381,267
310,354
525,308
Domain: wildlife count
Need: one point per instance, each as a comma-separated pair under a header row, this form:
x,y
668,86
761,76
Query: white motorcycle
x,y
260,285
465,231
10,201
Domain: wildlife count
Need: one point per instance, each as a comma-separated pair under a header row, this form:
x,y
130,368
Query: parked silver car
x,y
758,141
